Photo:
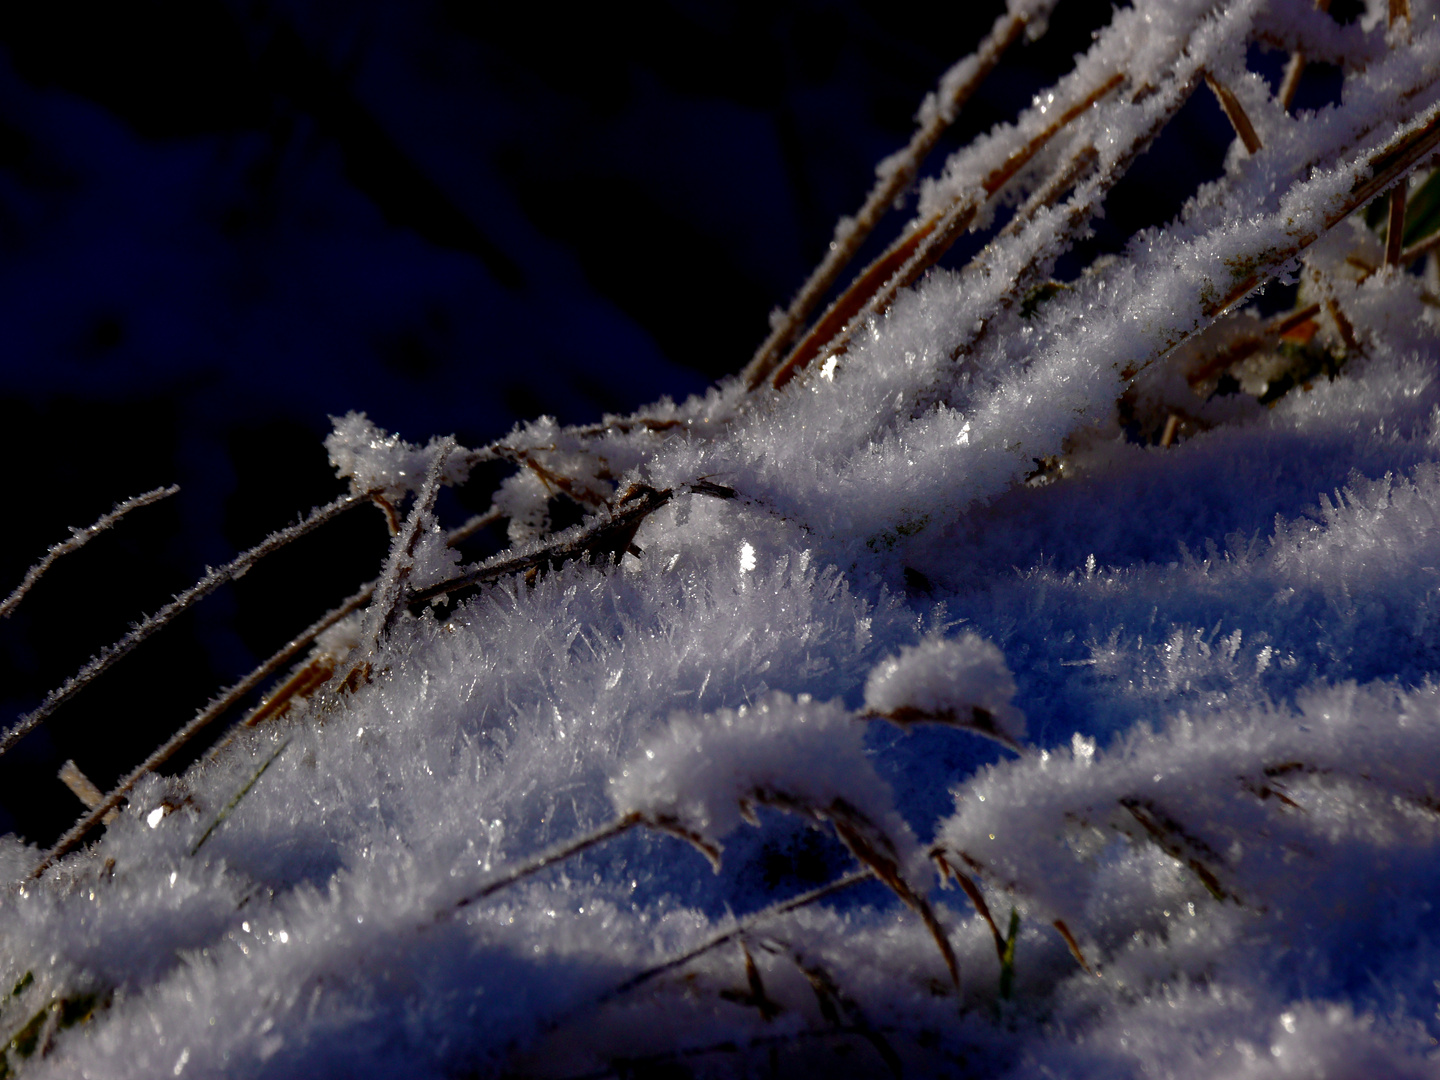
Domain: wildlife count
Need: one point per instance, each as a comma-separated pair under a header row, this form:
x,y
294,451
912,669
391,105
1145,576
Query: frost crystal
x,y
963,680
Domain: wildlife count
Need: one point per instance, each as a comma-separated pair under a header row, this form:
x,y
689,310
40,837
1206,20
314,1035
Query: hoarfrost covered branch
x,y
1174,554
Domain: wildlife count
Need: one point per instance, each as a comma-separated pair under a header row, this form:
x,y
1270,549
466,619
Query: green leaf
x,y
1007,958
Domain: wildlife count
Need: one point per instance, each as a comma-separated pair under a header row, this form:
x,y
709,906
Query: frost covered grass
x,y
1012,671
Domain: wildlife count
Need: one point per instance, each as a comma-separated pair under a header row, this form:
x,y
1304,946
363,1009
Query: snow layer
x,y
1215,856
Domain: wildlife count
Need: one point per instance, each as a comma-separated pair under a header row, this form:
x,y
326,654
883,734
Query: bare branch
x,y
950,95
877,286
78,539
212,580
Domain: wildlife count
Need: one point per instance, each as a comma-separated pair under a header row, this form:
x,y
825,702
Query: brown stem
x,y
1395,228
1420,248
1291,82
1296,68
1235,113
1006,32
1388,164
877,286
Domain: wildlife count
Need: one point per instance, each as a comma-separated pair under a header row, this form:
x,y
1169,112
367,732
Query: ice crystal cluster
x,y
1047,668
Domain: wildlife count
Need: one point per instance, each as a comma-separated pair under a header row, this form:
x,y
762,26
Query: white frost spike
x,y
961,681
373,460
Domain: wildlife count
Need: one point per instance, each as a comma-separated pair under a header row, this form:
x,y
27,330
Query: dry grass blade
x,y
390,591
1079,212
875,289
106,659
1175,842
1388,164
1050,192
951,94
977,721
971,890
222,704
78,539
753,996
872,848
1250,344
1074,947
1295,69
547,858
742,926
1395,227
80,785
611,538
833,1002
1291,80
230,806
1235,113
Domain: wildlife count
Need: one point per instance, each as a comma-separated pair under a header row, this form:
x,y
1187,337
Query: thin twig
x,y
1235,113
610,537
203,719
1395,228
547,858
212,580
743,926
1420,248
1296,68
956,87
78,539
390,590
480,521
875,289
